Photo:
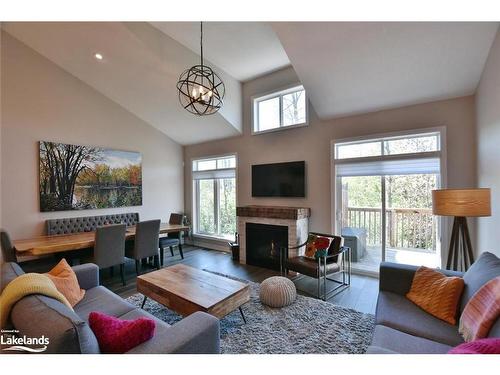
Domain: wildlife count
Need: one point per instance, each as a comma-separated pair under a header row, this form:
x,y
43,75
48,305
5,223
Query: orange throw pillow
x,y
481,311
66,282
436,294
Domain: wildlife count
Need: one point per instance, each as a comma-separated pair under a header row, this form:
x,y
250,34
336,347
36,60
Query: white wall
x,y
40,101
312,144
488,134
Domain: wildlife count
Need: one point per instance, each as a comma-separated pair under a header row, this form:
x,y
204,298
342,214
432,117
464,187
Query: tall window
x,y
214,185
281,109
384,199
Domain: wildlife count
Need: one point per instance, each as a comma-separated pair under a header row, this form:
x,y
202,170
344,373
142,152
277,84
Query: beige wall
x,y
488,132
312,144
40,101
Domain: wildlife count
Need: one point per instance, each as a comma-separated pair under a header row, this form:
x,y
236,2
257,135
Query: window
x,y
214,186
409,144
383,191
282,109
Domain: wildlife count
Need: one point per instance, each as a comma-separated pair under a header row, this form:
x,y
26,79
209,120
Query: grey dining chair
x,y
147,234
109,248
8,251
172,239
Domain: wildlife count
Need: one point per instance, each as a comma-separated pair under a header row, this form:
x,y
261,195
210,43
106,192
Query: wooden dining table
x,y
44,245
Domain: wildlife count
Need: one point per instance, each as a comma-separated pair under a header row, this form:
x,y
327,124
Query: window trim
x,y
195,195
280,92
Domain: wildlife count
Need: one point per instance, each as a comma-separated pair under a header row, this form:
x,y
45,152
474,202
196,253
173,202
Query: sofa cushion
x,y
395,311
8,273
481,312
66,331
482,346
436,294
117,335
400,342
378,350
102,300
485,268
139,313
64,278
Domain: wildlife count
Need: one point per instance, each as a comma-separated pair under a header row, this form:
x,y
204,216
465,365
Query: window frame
x,y
195,196
445,221
279,93
386,138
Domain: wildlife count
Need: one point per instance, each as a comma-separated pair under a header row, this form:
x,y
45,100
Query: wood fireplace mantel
x,y
274,212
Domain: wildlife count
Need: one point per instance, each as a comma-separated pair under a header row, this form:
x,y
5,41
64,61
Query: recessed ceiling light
x,y
98,56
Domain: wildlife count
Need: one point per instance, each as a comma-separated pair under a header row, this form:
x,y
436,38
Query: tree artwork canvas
x,y
75,177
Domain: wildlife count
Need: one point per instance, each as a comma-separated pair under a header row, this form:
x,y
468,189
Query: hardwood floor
x,y
361,296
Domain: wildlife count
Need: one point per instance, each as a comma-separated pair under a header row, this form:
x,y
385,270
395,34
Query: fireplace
x,y
263,244
294,219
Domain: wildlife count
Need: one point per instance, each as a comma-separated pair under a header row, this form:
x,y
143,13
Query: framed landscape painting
x,y
75,177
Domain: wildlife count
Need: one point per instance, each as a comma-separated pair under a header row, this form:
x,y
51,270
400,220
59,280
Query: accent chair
x,y
336,261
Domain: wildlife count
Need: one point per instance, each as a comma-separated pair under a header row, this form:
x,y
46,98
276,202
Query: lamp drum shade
x,y
461,202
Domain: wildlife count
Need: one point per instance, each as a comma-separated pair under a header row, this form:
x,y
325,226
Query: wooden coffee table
x,y
186,290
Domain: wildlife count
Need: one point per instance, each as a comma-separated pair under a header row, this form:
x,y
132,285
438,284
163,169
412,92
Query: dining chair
x,y
109,248
172,239
8,251
146,243
336,260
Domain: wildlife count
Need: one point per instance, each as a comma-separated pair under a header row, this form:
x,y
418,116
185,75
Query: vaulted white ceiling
x,y
245,50
139,71
346,67
357,67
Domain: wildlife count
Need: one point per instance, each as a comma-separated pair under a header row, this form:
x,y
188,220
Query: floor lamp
x,y
461,203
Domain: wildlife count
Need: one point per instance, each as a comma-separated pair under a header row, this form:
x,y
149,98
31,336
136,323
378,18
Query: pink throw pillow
x,y
482,346
116,335
481,312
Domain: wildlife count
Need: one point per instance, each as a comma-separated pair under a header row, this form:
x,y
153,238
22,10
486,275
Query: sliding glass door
x,y
383,199
361,219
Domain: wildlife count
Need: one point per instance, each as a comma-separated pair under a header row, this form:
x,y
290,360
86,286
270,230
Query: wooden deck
x,y
371,260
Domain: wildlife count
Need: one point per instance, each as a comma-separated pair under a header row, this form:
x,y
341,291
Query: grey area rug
x,y
308,326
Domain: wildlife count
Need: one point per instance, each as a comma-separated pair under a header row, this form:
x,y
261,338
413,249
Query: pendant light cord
x,y
201,42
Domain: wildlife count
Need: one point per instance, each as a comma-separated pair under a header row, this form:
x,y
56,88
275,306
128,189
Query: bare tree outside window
x,y
280,109
294,108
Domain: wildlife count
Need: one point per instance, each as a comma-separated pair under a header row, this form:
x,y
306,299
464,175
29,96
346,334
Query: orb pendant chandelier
x,y
201,91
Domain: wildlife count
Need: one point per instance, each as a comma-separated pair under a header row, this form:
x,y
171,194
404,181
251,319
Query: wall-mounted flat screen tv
x,y
279,179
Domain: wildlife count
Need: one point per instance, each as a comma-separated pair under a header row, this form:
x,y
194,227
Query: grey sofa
x,y
69,332
402,327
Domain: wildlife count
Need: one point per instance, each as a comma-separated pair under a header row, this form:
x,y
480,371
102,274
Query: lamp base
x,y
460,254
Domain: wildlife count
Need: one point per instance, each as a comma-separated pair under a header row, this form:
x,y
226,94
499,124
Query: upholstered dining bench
x,y
89,223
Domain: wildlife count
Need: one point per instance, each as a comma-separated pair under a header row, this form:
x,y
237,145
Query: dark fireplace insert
x,y
263,244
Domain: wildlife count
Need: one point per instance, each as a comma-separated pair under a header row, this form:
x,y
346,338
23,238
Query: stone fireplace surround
x,y
295,218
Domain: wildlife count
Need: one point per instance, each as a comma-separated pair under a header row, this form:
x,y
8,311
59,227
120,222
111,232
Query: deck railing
x,y
408,228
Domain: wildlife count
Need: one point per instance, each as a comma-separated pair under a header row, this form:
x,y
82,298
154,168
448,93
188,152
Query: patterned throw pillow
x,y
436,294
483,346
64,278
317,246
481,312
118,336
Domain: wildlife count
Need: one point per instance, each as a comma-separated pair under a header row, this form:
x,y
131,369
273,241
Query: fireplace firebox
x,y
263,244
